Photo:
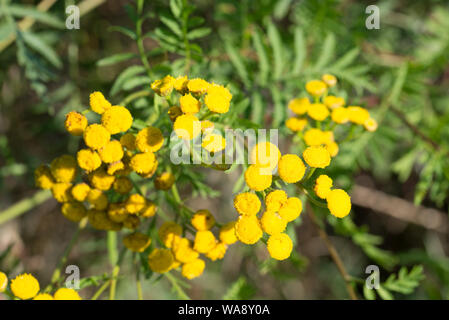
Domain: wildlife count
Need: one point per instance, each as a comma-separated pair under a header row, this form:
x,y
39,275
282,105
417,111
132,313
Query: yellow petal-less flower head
x,y
75,123
164,86
98,102
117,119
318,111
99,179
150,173
358,115
370,125
43,296
323,185
143,162
248,229
247,203
218,252
275,199
96,136
272,222
193,269
332,148
164,181
213,142
101,221
3,281
63,168
135,203
149,139
131,222
257,179
266,155
187,127
314,137
117,168
74,211
174,112
279,246
218,99
88,159
329,79
206,125
168,231
97,199
24,286
149,210
189,104
291,169
122,185
204,241
227,233
117,212
80,191
333,102
198,85
183,250
202,220
296,124
61,191
317,157
291,209
111,152
316,87
299,106
160,260
43,177
128,140
339,203
137,241
66,294
180,84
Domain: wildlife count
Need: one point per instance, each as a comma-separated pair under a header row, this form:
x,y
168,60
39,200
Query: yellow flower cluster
x,y
86,185
25,287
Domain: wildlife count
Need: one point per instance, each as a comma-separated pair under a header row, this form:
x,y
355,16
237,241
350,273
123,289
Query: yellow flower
x,y
296,124
279,246
193,269
61,191
316,87
317,157
218,99
248,229
63,168
111,152
131,222
164,86
3,281
128,140
164,181
117,119
137,241
180,83
275,199
206,125
318,111
218,252
247,203
198,85
339,203
149,139
272,222
227,233
265,154
204,241
101,221
118,168
329,79
117,212
149,210
291,209
80,191
135,203
97,199
168,231
370,124
299,105
257,179
291,169
25,286
174,112
358,115
202,220
143,162
334,102
314,137
101,180
43,177
187,127
75,123
98,102
189,104
213,142
66,294
122,185
323,185
332,148
88,159
340,115
74,211
183,251
43,296
96,136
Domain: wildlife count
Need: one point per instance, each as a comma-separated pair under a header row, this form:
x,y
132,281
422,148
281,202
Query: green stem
x,y
185,18
24,205
100,290
182,295
114,274
134,96
141,47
